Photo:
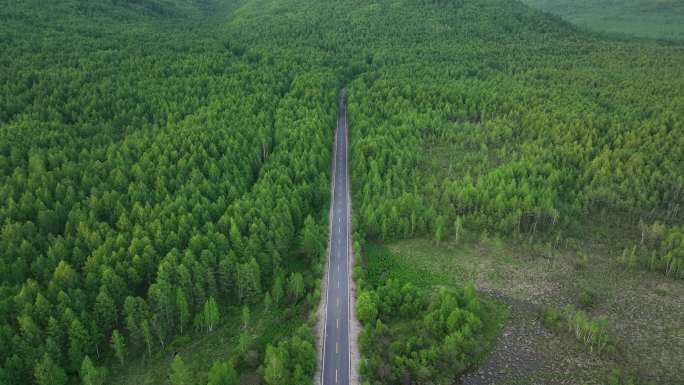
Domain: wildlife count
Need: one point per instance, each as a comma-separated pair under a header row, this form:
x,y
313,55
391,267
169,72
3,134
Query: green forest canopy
x,y
156,156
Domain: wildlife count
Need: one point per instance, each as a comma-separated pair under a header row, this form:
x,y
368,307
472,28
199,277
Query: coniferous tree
x,y
223,373
180,375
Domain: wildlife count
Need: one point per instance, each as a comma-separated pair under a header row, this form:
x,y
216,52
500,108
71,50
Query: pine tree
x,y
179,373
105,310
90,375
47,372
222,373
249,281
311,238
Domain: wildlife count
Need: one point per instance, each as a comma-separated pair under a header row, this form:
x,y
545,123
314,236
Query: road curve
x,y
336,358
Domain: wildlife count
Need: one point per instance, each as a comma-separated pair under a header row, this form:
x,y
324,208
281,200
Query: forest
x,y
165,172
150,185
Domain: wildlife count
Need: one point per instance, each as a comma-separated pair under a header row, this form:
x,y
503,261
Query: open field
x,y
644,309
644,18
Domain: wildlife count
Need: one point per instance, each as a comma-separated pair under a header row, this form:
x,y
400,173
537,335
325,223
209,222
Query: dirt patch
x,y
526,352
514,354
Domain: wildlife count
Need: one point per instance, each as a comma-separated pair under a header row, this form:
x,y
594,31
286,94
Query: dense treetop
x,y
159,159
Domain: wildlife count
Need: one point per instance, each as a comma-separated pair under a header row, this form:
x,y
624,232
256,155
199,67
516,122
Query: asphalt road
x,y
336,358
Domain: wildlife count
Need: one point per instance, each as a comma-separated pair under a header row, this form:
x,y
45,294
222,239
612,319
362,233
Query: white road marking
x,y
338,283
338,302
337,347
338,323
336,376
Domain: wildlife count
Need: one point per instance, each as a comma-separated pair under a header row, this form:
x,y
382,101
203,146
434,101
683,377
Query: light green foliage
x,y
210,316
295,287
366,310
223,373
277,289
274,366
90,375
180,375
661,248
47,372
119,346
592,333
458,228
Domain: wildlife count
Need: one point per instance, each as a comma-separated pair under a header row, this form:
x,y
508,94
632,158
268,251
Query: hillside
x,y
645,18
164,179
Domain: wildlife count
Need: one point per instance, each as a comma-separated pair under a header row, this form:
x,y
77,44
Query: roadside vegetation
x,y
414,334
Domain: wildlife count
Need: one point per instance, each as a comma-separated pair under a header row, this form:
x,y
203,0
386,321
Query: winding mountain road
x,y
336,366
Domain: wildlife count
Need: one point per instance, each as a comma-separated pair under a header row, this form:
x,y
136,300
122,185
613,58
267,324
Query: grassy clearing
x,y
644,18
643,309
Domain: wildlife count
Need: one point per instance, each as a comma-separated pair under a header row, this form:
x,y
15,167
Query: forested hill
x,y
166,161
348,30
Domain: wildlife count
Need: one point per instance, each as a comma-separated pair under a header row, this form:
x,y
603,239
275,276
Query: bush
x,y
413,336
592,333
587,298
